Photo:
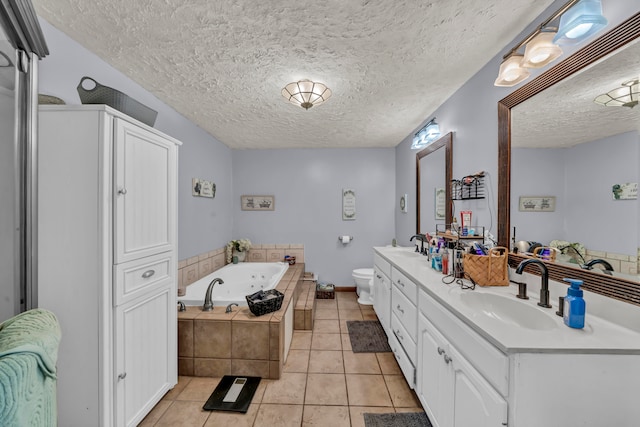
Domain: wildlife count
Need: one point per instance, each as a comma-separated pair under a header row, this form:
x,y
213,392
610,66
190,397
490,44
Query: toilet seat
x,y
363,273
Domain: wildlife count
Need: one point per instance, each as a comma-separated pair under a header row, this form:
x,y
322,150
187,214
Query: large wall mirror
x,y
557,144
433,184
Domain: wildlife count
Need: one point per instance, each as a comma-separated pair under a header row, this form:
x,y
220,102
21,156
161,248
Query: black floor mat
x,y
243,401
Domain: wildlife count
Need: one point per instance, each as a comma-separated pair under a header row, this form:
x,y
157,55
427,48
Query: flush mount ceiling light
x,y
579,22
541,51
306,94
627,95
426,135
511,71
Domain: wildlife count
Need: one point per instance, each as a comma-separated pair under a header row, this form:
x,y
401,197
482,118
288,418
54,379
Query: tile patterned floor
x,y
324,383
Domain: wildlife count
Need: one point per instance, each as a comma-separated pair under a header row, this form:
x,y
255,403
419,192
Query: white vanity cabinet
x,y
404,323
107,266
382,292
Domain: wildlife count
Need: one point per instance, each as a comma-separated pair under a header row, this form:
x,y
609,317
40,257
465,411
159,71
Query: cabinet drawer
x,y
382,264
137,277
486,358
408,287
407,368
403,337
405,311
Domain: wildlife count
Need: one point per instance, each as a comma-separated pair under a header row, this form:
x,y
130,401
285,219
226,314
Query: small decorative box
x,y
325,291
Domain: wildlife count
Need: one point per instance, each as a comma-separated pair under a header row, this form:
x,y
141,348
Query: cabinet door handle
x,y
400,309
440,351
399,335
148,274
400,283
378,276
122,376
447,359
122,191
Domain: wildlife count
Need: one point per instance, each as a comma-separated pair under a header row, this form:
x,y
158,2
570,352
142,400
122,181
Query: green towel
x,y
28,354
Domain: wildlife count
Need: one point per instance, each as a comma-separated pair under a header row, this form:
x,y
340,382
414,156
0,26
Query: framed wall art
x,y
348,204
257,203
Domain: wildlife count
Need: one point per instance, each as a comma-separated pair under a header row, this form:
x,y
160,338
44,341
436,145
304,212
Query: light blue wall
x,y
307,185
203,224
472,114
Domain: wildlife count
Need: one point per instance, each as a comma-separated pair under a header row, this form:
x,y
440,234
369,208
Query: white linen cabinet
x,y
107,211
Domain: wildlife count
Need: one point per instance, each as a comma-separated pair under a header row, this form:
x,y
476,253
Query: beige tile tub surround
x,y
199,266
215,343
626,264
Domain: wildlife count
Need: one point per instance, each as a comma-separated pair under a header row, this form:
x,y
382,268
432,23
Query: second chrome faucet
x,y
544,288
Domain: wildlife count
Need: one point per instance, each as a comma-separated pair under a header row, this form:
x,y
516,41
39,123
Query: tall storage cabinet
x,y
107,208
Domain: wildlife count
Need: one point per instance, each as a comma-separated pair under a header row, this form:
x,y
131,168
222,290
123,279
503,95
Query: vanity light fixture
x,y
426,135
306,94
578,20
627,95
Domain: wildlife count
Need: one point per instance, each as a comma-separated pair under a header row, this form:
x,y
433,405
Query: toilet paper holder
x,y
345,239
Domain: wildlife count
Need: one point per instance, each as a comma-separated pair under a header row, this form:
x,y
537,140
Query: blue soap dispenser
x,y
574,305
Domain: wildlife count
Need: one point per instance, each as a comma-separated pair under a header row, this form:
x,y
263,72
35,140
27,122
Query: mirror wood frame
x,y
445,141
626,32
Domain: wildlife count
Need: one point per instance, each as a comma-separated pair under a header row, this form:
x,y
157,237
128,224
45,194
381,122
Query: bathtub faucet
x,y
208,302
229,307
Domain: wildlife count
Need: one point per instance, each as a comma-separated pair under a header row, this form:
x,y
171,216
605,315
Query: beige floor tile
x,y
326,313
346,342
367,390
175,391
357,417
388,363
321,341
334,416
369,315
257,397
279,415
341,296
235,419
326,304
350,314
183,414
288,390
199,389
301,340
343,326
361,363
420,409
347,304
327,326
326,362
297,361
326,389
155,414
401,395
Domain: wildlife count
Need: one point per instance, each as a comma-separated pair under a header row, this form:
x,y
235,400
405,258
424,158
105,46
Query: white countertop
x,y
598,335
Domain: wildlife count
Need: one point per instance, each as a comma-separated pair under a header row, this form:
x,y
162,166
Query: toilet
x,y
364,285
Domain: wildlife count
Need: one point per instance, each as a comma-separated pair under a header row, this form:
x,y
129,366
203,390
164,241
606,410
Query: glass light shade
x,y
628,95
579,22
541,50
511,72
306,93
432,131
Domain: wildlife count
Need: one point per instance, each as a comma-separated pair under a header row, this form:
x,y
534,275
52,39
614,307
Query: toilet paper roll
x,y
345,239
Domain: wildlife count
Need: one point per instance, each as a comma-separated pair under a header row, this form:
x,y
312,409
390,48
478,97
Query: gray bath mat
x,y
238,403
367,336
402,419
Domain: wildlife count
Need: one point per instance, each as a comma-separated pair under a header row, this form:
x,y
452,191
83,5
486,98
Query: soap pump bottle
x,y
574,305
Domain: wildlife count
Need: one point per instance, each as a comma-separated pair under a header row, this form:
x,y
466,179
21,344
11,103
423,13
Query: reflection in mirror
x,y
433,181
564,145
582,171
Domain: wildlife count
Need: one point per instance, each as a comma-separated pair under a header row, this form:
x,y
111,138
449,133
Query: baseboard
x,y
345,288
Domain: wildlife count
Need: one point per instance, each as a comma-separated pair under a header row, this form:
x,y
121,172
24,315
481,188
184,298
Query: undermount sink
x,y
507,310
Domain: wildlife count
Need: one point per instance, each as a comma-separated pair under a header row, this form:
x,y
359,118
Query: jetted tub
x,y
239,280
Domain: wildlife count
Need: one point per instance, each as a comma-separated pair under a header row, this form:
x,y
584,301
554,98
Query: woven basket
x,y
325,291
261,303
488,270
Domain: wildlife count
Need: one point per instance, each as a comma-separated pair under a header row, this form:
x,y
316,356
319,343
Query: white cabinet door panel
x,y
145,170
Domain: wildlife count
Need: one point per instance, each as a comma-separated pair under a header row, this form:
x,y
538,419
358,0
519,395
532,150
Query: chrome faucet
x,y
421,238
544,289
590,264
229,310
181,306
208,302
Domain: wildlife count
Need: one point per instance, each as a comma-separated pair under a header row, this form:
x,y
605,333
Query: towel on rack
x,y
28,354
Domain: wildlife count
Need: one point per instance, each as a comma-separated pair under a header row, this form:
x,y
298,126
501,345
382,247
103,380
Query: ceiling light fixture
x,y
627,95
426,135
578,20
306,94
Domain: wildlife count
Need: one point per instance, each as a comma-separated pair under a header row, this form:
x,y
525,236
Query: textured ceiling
x,y
565,115
223,63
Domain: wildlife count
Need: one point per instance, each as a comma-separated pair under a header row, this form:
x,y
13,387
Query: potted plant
x,y
238,248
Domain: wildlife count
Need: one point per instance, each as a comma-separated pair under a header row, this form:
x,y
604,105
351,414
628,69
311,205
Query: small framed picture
x,y
203,188
537,204
348,204
257,203
403,204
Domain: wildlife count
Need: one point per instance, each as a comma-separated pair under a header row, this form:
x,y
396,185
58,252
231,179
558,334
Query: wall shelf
x,y
470,187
